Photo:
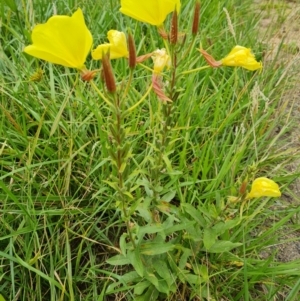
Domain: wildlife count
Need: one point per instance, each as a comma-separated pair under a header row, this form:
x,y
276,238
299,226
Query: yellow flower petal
x,y
263,187
241,57
161,60
62,40
149,11
117,46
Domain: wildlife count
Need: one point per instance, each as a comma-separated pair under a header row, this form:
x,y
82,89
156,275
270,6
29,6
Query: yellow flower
x,y
263,187
63,40
153,12
117,46
161,60
240,56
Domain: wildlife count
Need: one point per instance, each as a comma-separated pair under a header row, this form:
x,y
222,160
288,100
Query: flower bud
x,y
196,18
243,187
174,28
108,73
162,33
209,59
158,89
87,75
144,57
132,52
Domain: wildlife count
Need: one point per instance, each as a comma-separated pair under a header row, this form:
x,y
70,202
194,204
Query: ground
x,y
280,29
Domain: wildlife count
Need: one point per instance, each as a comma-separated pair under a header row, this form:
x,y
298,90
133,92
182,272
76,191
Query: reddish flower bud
x,y
87,75
210,60
157,88
196,18
108,74
162,33
243,188
174,28
144,57
132,52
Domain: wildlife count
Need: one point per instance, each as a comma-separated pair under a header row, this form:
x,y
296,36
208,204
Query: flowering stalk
x,y
162,59
120,149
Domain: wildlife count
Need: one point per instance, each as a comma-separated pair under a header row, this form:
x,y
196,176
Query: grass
x,y
69,232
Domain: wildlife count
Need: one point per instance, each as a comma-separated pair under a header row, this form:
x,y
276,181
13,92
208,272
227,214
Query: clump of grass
x,y
164,222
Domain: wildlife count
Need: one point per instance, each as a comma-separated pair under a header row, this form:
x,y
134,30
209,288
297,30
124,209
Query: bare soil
x,y
280,29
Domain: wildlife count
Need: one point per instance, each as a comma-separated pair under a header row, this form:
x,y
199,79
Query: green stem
x,y
116,108
120,160
191,46
166,111
100,93
195,70
128,83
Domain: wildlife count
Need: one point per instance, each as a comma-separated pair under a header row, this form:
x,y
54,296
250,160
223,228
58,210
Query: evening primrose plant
x,y
142,170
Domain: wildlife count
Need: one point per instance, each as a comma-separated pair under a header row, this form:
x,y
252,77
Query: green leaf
x,y
150,295
12,5
112,185
182,275
152,278
123,166
169,222
169,196
144,212
128,194
194,233
163,271
118,260
147,186
163,287
213,212
195,214
221,227
130,277
123,245
209,237
184,258
202,271
2,298
149,229
193,279
179,227
136,261
156,248
223,246
140,287
205,211
123,280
